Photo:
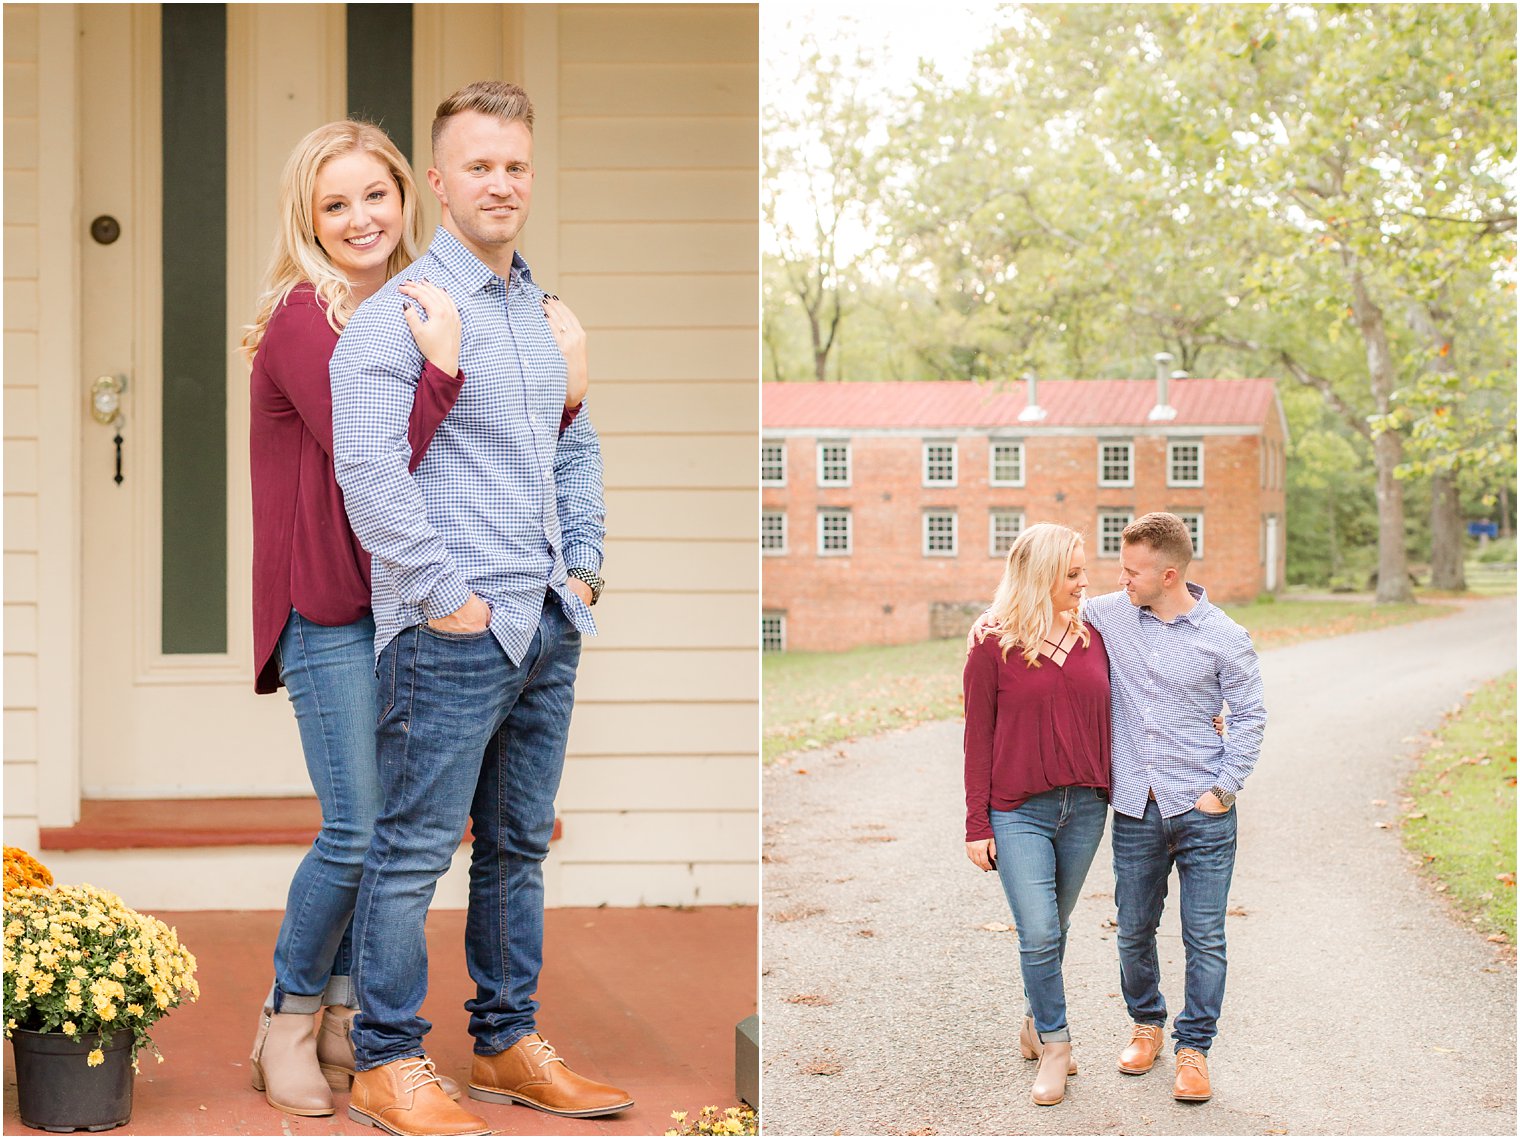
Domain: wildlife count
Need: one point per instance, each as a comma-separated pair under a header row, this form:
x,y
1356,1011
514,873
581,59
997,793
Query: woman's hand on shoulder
x,y
571,338
979,630
437,337
983,852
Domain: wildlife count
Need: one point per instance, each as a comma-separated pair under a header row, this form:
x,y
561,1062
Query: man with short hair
x,y
1174,658
485,564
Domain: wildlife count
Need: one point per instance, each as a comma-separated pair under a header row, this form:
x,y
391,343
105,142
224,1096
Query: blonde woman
x,y
348,222
1037,770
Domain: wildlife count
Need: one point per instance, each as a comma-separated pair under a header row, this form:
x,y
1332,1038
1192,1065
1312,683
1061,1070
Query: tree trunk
x,y
1387,447
1446,547
1506,530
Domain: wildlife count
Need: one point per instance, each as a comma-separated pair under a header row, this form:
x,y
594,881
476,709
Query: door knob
x,y
105,398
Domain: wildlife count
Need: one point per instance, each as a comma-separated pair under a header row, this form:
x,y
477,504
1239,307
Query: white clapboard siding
x,y
657,212
22,310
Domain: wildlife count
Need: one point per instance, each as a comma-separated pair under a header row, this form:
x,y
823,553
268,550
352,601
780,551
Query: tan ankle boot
x,y
1050,1080
284,1064
1030,1046
335,1051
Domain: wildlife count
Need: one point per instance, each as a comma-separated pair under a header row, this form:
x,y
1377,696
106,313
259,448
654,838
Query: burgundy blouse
x,y
1030,730
305,555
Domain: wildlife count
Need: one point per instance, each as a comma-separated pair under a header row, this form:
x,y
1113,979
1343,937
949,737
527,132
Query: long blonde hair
x,y
1022,614
297,257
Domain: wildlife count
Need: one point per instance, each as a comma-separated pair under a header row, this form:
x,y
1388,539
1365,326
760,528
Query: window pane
x,y
1008,463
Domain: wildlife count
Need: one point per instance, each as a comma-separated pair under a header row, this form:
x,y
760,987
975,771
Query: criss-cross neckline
x,y
1059,652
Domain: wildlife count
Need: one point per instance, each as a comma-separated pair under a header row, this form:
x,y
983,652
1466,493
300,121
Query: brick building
x,y
887,509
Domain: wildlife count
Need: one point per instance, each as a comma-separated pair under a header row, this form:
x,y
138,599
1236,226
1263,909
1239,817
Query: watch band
x,y
589,578
1225,797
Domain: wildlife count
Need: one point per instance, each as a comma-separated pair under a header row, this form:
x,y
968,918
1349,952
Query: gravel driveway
x,y
1356,1003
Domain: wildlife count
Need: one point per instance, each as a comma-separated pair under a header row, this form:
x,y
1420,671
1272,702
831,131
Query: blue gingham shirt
x,y
1168,680
502,503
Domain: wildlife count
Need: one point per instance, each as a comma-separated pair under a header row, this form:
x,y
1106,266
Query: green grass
x,y
813,699
1460,816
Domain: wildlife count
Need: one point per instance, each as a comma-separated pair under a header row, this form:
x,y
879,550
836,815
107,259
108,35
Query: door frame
x,y
60,396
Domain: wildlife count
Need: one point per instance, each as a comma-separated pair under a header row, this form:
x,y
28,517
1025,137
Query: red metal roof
x,y
1067,403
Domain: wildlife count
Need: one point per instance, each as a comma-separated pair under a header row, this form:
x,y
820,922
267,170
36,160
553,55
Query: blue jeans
x,y
329,676
1044,847
464,734
1202,847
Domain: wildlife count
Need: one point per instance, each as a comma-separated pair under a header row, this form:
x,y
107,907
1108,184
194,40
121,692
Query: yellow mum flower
x,y
97,1058
107,1011
135,1009
69,1027
118,969
79,970
74,1003
73,985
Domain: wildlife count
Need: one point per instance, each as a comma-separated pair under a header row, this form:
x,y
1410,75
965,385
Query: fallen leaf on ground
x,y
995,927
875,838
1497,937
1381,826
800,771
1415,815
1237,912
865,933
812,1000
1507,879
1380,802
823,1068
797,913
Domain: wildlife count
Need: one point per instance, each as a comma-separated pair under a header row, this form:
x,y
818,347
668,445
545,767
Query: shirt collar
x,y
1193,616
465,267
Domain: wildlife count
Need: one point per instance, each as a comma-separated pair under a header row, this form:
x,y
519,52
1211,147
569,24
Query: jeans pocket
x,y
443,636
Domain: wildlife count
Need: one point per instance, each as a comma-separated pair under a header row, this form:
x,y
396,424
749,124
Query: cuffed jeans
x,y
1044,848
329,675
1202,847
463,734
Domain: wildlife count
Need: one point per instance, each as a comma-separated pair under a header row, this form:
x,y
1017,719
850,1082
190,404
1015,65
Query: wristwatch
x,y
590,578
1227,798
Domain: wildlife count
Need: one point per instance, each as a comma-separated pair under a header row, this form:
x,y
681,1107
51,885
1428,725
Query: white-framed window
x,y
1193,519
1116,464
1184,462
1003,526
834,531
773,632
834,462
1006,460
939,463
939,534
773,462
773,531
1111,524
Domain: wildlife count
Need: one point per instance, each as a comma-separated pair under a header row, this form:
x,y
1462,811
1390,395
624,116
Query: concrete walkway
x,y
1356,1004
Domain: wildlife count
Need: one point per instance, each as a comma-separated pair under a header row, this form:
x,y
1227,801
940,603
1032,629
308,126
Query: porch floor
x,y
647,999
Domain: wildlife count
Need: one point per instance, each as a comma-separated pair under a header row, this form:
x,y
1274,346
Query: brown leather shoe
x,y
1192,1082
1031,1047
404,1098
335,1052
1144,1043
531,1072
284,1064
